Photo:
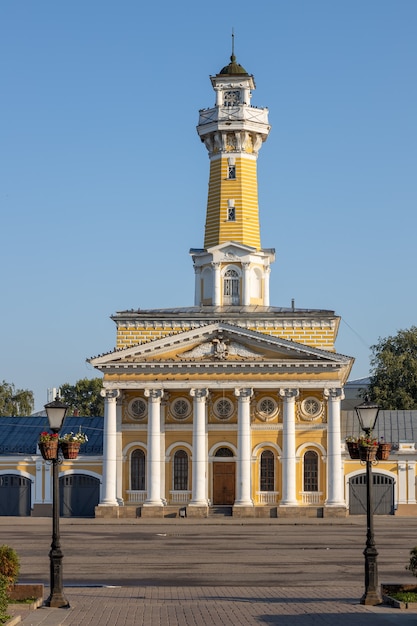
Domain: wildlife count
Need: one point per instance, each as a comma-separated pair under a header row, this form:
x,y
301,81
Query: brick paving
x,y
214,573
217,606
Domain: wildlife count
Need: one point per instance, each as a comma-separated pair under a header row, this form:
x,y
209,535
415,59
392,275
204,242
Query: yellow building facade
x,y
230,402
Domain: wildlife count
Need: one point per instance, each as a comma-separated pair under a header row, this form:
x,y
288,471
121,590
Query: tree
x,y
84,397
394,378
15,402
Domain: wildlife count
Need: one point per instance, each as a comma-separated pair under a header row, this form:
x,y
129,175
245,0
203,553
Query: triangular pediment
x,y
218,342
231,251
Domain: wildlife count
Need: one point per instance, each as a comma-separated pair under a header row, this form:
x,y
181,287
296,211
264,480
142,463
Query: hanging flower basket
x,y
70,449
367,453
384,450
49,449
353,449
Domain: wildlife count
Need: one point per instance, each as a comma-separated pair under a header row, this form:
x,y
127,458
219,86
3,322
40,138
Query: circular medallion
x,y
137,408
223,409
311,408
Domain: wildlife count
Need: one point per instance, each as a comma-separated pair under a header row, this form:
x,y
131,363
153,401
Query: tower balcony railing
x,y
247,113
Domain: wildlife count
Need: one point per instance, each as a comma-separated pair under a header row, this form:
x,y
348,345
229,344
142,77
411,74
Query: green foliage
x,y
84,397
9,564
15,402
4,599
404,596
412,565
394,379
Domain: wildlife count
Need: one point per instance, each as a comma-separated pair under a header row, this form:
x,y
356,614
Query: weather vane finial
x,y
232,58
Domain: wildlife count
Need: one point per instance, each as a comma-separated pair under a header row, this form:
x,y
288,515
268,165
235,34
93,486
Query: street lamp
x,y
56,412
367,413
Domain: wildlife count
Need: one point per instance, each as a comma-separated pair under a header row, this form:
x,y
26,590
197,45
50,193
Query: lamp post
x,y
367,413
56,412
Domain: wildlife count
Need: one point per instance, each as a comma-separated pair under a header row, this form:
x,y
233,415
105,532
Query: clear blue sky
x,y
103,179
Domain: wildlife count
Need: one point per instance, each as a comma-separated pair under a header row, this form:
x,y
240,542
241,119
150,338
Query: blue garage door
x,y
79,495
15,496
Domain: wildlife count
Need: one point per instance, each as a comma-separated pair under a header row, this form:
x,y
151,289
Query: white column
x,y
411,482
267,273
411,472
197,286
38,481
164,402
154,447
243,481
289,496
199,462
334,449
246,284
119,456
108,491
48,483
402,482
216,284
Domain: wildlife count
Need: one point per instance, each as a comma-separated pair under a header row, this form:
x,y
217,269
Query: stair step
x,y
226,511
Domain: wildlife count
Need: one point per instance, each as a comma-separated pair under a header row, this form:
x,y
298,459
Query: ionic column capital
x,y
244,393
335,393
201,395
154,395
289,394
110,394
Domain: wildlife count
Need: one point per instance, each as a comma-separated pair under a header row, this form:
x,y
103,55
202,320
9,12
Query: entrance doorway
x,y
223,483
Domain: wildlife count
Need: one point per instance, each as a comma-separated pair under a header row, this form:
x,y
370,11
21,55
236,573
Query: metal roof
x,y
394,426
19,435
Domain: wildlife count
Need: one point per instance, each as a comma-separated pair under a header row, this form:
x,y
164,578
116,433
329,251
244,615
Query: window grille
x,y
180,471
137,470
267,471
311,471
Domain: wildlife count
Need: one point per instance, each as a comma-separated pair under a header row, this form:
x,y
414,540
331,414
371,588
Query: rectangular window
x,y
231,172
231,214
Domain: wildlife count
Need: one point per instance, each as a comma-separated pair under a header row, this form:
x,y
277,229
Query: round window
x,y
137,408
267,408
311,408
223,409
180,408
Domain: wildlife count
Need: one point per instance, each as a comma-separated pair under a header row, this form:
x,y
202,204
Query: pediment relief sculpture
x,y
220,349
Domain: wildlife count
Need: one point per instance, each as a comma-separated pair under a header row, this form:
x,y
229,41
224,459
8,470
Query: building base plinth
x,y
103,511
244,511
152,510
406,510
299,511
335,511
197,510
41,510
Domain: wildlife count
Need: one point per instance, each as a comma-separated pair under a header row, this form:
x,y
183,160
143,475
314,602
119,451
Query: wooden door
x,y
223,483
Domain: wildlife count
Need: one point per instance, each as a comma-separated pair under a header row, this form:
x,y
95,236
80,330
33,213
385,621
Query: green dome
x,y
233,68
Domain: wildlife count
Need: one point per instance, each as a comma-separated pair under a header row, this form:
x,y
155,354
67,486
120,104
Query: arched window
x,y
311,471
231,287
267,471
180,471
137,470
224,452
